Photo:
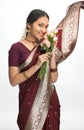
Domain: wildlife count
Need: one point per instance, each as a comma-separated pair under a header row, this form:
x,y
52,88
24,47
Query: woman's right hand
x,y
42,58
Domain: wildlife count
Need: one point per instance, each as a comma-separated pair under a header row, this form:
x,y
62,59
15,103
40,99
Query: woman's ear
x,y
28,26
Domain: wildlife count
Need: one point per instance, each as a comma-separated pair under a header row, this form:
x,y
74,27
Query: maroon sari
x,y
29,88
69,26
39,107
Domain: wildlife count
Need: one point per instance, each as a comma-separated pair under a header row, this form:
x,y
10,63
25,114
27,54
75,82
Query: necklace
x,y
30,41
33,43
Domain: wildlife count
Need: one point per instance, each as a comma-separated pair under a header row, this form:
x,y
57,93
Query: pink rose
x,y
46,42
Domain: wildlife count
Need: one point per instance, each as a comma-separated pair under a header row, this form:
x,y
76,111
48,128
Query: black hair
x,y
35,14
32,17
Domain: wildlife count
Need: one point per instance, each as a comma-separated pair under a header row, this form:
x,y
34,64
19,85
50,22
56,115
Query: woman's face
x,y
38,28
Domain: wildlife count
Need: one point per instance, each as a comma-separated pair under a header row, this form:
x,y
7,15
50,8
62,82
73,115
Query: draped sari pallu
x,y
69,27
32,114
39,99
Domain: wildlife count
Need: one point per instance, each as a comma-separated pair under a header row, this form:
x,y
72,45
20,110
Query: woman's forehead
x,y
43,20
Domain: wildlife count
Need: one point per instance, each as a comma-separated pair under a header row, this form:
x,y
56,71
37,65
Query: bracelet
x,y
25,75
53,70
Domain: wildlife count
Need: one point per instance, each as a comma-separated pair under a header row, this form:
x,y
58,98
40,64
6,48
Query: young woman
x,y
39,107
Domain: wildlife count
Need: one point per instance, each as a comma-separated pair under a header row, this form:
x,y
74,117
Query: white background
x,y
70,84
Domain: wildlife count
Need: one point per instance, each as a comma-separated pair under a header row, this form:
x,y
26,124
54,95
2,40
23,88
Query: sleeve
x,y
13,57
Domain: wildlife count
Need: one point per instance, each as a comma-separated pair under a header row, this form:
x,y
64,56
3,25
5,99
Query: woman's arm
x,y
53,67
16,77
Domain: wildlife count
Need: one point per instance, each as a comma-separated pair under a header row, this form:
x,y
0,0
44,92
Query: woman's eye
x,y
40,25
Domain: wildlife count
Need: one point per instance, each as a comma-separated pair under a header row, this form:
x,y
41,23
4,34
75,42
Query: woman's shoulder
x,y
16,45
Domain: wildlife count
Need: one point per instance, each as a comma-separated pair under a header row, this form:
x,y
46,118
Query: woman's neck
x,y
31,39
33,42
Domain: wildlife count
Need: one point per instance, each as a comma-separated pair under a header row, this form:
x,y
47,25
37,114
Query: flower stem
x,y
42,71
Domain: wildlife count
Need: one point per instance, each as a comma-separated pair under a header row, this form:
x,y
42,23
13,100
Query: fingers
x,y
42,58
45,57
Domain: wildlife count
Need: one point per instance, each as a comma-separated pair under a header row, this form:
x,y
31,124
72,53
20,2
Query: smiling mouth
x,y
41,34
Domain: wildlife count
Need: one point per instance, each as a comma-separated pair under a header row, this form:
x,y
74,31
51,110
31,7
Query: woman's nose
x,y
44,30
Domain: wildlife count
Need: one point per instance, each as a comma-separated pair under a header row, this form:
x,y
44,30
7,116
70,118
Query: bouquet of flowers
x,y
50,39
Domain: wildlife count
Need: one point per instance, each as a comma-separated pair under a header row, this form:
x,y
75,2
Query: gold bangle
x,y
26,77
53,70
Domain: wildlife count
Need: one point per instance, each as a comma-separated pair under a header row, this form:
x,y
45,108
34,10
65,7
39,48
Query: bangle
x,y
53,70
25,75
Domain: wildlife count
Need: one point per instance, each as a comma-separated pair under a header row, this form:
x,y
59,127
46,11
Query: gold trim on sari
x,y
28,60
41,104
69,26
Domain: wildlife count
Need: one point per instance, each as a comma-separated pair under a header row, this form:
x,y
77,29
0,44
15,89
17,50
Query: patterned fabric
x,y
30,89
69,27
39,107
